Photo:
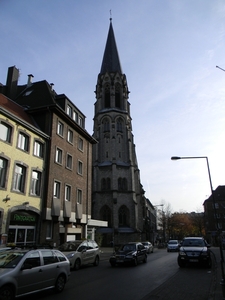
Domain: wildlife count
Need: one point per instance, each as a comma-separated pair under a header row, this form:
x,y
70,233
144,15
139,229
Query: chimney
x,y
52,85
29,81
11,82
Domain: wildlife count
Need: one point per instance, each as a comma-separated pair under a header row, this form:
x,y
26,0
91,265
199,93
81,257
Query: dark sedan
x,y
194,250
130,253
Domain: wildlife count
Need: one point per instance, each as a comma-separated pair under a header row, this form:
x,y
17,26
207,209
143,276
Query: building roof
x,y
111,61
15,109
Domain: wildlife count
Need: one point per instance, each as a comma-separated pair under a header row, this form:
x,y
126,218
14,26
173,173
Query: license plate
x,y
119,260
193,260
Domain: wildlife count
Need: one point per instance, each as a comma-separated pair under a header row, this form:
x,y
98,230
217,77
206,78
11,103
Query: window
x,y
56,191
60,128
35,183
107,96
5,132
38,149
68,193
58,156
3,171
70,136
80,144
75,116
69,161
123,216
79,196
81,121
80,167
19,178
49,228
69,111
23,141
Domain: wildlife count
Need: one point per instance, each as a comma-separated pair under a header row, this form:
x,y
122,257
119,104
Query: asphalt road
x,y
133,283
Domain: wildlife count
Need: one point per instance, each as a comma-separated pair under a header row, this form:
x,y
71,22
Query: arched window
x,y
103,187
106,184
122,184
123,216
119,125
106,215
105,125
107,96
117,96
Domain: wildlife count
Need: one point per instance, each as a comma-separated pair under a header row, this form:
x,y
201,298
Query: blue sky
x,y
169,50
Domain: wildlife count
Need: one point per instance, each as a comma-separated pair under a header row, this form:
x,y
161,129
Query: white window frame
x,y
60,128
58,156
56,189
80,167
68,192
79,196
23,141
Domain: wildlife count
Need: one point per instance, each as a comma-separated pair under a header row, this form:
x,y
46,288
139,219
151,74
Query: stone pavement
x,y
181,287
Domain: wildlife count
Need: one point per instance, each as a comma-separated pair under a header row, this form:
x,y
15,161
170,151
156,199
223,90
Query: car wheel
x,y
135,261
209,264
60,283
96,262
181,263
152,250
145,259
7,292
77,264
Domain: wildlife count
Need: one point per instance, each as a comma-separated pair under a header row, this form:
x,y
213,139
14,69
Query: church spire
x,y
111,61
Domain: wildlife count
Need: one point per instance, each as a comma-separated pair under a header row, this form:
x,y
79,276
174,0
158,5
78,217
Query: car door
x,y
141,252
91,253
82,249
30,275
50,268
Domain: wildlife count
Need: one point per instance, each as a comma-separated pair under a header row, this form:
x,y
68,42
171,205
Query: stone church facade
x,y
117,193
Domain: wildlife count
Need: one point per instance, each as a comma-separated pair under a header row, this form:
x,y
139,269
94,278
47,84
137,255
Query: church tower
x,y
117,196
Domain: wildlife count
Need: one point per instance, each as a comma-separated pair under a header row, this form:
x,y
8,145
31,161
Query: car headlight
x,y
182,253
204,253
70,255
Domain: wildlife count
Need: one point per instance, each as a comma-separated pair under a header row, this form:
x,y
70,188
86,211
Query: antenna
x,y
110,12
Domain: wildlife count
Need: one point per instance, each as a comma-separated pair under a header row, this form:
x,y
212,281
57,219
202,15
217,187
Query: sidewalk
x,y
180,287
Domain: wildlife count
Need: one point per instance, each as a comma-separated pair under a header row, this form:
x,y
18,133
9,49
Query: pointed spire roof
x,y
111,61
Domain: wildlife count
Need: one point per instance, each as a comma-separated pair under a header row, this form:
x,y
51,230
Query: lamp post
x,y
222,282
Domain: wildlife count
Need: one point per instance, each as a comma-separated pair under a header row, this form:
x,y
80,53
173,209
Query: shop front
x,y
22,228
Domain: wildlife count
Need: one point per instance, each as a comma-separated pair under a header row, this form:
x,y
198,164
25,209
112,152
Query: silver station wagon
x,y
24,272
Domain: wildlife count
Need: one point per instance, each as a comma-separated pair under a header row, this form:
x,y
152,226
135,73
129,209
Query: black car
x,y
194,250
130,253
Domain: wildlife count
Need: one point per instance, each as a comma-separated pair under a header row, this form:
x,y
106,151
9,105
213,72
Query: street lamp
x,y
222,282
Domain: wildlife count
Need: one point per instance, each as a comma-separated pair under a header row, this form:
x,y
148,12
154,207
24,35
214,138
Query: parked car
x,y
130,253
172,245
148,246
81,253
194,250
24,272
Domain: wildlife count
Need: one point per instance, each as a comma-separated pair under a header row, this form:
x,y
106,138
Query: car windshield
x,y
128,247
69,246
173,242
10,259
193,243
145,244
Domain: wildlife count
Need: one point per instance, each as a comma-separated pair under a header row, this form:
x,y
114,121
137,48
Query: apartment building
x,y
22,174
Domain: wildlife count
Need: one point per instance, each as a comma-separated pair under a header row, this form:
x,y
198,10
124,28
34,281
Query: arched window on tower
x,y
105,125
107,96
106,215
122,184
123,216
117,96
106,184
119,125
